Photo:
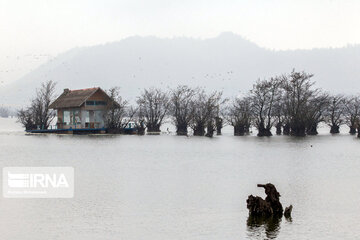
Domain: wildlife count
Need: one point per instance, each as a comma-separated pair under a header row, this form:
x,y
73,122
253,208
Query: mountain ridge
x,y
228,62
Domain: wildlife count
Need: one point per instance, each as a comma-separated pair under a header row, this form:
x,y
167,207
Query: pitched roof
x,y
73,98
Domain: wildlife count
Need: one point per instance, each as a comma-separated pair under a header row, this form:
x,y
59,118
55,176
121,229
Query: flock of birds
x,y
34,59
20,65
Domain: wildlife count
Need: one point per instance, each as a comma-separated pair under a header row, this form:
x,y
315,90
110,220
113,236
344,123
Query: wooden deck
x,y
70,130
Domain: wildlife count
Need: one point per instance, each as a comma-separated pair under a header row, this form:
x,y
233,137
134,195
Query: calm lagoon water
x,y
170,187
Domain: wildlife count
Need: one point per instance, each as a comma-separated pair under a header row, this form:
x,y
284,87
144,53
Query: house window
x,y
94,103
87,117
76,117
67,117
98,116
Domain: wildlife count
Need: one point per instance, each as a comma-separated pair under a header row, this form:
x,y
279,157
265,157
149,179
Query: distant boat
x,y
130,128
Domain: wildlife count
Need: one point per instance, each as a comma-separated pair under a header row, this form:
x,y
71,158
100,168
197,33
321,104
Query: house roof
x,y
74,98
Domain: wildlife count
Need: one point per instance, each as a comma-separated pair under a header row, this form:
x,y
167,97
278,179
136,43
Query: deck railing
x,y
90,125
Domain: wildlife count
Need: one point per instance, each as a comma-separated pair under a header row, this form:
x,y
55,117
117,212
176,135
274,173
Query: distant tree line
x,y
4,112
290,103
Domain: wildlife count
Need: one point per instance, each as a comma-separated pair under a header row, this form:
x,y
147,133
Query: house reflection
x,y
263,228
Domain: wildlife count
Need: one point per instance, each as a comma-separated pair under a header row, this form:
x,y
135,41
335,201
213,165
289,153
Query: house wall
x,y
60,115
98,96
95,118
95,113
83,118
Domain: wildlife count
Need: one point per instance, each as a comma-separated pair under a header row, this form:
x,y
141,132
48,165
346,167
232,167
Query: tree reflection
x,y
260,227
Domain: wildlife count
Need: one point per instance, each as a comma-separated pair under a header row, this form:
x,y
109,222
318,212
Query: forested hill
x,y
227,62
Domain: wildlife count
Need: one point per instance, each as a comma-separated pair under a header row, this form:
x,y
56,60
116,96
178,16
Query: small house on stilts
x,y
80,111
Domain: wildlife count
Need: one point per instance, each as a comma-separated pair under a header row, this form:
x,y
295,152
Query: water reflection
x,y
261,228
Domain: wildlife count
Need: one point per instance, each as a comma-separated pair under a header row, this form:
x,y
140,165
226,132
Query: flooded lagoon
x,y
171,187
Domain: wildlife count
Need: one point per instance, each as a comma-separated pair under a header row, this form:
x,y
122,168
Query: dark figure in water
x,y
287,212
271,226
258,207
268,207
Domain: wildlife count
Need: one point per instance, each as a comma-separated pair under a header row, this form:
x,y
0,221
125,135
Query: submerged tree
x,y
263,97
220,113
219,124
26,118
154,105
297,94
352,112
315,111
205,111
280,117
239,115
38,114
335,113
138,119
182,107
118,113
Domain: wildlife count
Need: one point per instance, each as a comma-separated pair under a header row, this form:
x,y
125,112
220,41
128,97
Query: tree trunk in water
x,y
181,129
312,130
352,130
210,130
263,132
219,125
335,129
298,131
141,130
239,130
247,129
278,129
153,128
199,130
286,129
271,206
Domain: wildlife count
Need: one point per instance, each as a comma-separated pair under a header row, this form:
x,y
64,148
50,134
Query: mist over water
x,y
172,187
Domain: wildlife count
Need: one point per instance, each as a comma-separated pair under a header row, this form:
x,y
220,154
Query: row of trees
x,y
188,108
290,103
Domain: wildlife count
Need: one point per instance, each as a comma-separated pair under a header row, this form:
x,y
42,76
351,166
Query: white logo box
x,y
38,182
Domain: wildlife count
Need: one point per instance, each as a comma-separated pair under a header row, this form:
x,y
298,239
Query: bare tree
x,y
239,115
139,120
297,93
220,114
315,111
352,112
153,105
335,113
118,113
26,118
281,119
205,111
219,123
263,96
38,114
182,107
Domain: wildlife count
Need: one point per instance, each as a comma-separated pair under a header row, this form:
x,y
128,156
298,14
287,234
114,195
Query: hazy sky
x,y
32,32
